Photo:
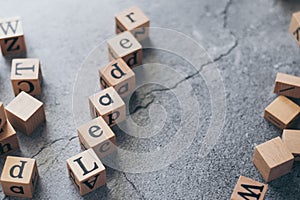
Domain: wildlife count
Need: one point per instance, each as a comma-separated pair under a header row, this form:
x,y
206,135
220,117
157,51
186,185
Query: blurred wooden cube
x,y
125,46
96,134
8,139
12,40
287,85
134,20
25,113
86,171
26,76
292,140
247,188
108,104
281,112
19,176
117,74
273,159
295,26
2,115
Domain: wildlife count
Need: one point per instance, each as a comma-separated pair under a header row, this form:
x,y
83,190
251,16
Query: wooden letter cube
x,y
86,171
8,139
125,46
287,85
25,113
294,26
292,140
133,20
19,176
96,134
2,115
281,112
273,159
12,40
117,74
247,188
26,76
108,104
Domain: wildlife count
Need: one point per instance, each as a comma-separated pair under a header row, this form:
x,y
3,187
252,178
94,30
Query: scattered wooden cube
x,y
8,139
133,20
125,46
2,115
96,134
287,85
281,112
26,76
117,74
19,176
292,140
273,159
25,113
108,104
86,171
295,26
12,40
247,188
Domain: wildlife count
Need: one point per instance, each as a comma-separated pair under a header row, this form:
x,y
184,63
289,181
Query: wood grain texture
x,y
247,188
291,138
19,176
273,159
2,115
8,139
287,85
294,26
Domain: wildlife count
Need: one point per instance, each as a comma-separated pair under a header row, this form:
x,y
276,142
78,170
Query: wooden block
x,y
247,188
133,20
96,134
108,104
25,113
8,139
117,74
86,171
273,159
26,76
19,176
281,112
292,140
12,40
295,26
125,46
287,85
2,115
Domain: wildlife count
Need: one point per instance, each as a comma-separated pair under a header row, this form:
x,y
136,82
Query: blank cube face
x,y
96,134
25,113
117,74
133,20
273,159
109,105
281,112
125,46
86,171
287,85
12,40
26,76
2,115
291,138
247,188
8,139
294,26
19,176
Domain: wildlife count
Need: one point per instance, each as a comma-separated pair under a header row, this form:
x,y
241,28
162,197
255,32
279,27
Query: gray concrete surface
x,y
248,41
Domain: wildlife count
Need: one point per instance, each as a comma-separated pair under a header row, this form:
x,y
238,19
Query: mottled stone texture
x,y
249,41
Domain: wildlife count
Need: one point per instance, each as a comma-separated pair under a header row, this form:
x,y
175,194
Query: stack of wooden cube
x,y
107,107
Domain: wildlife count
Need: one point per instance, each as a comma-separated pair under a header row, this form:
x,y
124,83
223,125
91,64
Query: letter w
x,y
9,27
249,188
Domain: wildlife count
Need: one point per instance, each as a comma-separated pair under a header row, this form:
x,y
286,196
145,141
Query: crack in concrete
x,y
46,146
133,185
222,55
72,138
